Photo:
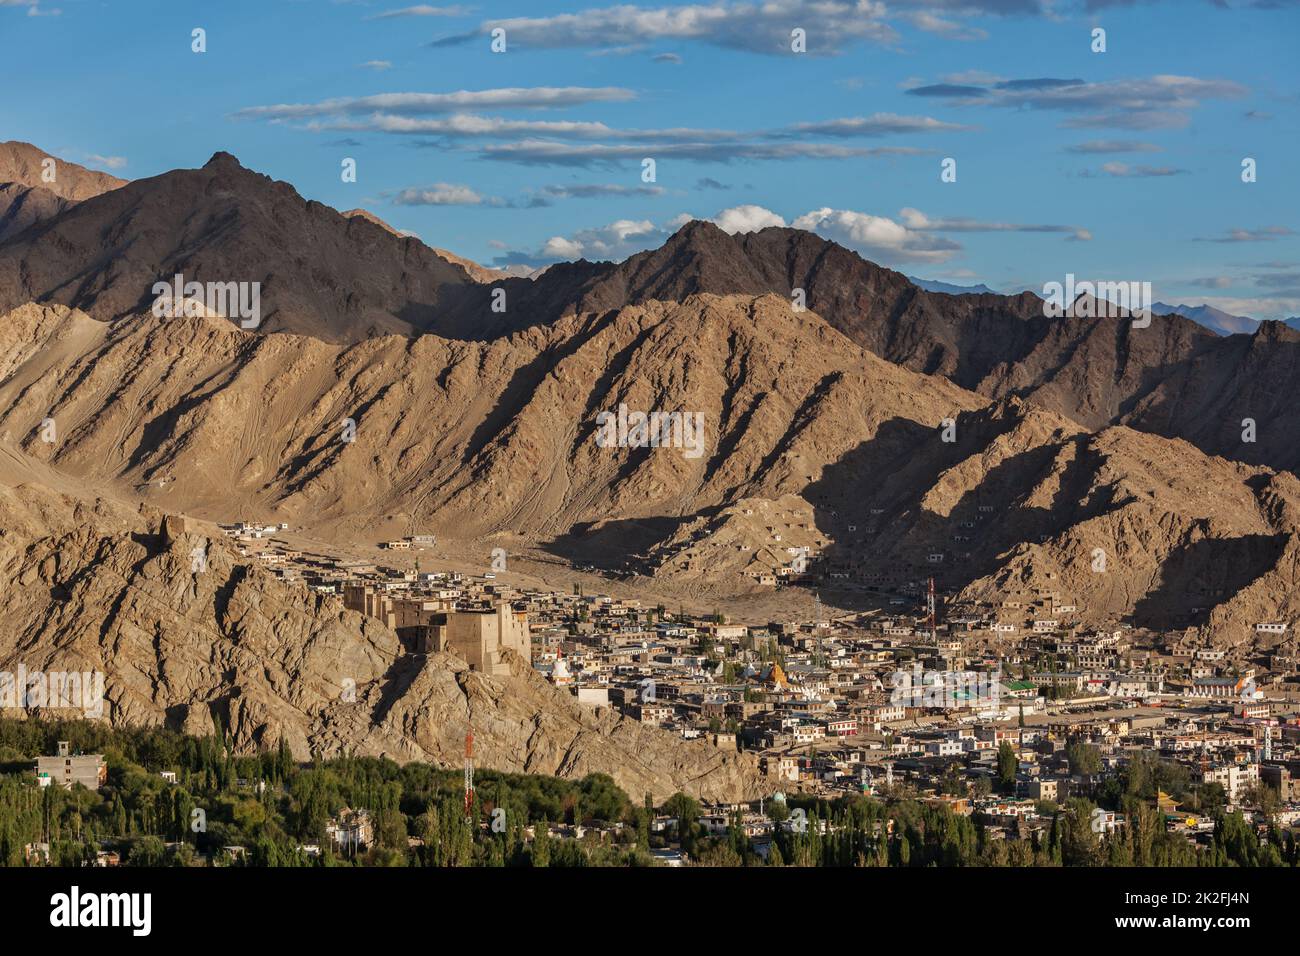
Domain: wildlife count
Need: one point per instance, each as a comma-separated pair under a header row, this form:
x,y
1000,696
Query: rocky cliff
x,y
189,637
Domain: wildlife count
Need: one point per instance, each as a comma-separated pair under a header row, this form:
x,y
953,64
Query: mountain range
x,y
897,431
934,285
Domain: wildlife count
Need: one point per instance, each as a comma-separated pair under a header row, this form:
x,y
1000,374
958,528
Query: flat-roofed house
x,y
66,768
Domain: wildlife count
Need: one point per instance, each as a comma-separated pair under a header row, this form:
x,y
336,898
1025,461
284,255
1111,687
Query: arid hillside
x,y
25,165
100,246
870,464
35,187
94,584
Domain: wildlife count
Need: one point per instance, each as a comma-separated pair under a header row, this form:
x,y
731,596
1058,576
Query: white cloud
x,y
472,125
533,97
1127,171
1265,234
616,241
111,162
421,10
557,247
439,194
1161,101
971,77
1099,146
539,152
876,237
915,219
598,190
831,26
910,239
747,218
878,124
951,29
619,232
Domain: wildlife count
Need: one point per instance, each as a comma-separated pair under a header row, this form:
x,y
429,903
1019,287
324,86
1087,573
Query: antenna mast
x,y
931,610
469,773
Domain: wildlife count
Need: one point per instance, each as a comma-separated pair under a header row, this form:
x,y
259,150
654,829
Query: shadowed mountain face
x,y
807,440
1236,400
1174,377
321,274
343,278
35,187
24,206
1086,368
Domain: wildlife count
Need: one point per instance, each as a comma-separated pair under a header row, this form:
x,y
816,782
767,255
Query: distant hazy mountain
x,y
1225,323
934,285
35,187
24,163
478,273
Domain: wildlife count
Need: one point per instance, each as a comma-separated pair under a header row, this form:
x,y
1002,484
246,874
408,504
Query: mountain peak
x,y
1270,330
223,160
228,223
697,233
27,165
370,217
695,227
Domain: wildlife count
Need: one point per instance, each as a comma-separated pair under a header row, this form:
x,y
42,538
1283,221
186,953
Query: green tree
x,y
1008,764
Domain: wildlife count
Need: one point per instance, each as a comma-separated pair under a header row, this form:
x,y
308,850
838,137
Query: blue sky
x,y
1118,165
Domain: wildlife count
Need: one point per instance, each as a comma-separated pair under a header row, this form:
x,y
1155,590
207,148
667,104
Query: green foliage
x,y
270,808
273,807
1008,764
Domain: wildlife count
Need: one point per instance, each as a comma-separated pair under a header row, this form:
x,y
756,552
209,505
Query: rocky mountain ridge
x,y
880,467
95,585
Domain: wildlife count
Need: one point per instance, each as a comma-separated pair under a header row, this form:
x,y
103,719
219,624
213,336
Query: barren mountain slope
x,y
1020,505
321,273
1173,377
997,345
98,586
32,190
1238,401
470,439
24,164
346,277
1139,528
24,206
485,435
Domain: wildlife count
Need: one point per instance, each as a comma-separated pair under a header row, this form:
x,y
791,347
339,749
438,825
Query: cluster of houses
x,y
901,694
